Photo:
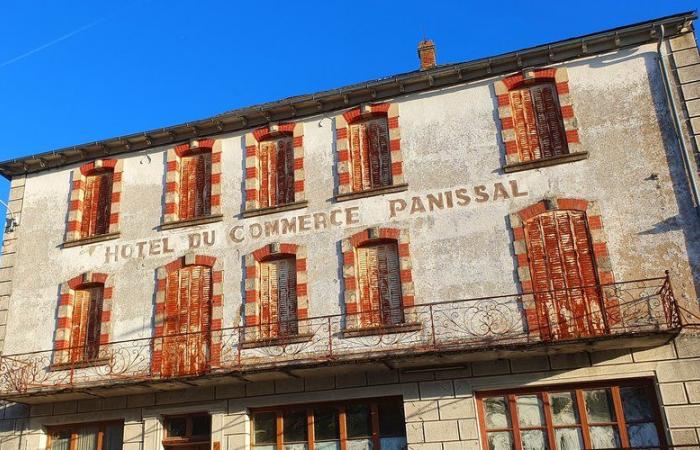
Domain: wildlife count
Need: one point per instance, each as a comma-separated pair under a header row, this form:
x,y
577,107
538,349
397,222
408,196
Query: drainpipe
x,y
677,125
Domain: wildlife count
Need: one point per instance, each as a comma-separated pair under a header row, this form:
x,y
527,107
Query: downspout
x,y
677,125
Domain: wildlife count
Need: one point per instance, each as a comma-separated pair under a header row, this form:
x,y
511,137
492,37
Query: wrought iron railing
x,y
508,321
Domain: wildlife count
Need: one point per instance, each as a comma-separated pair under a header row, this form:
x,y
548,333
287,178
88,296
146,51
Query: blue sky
x,y
77,71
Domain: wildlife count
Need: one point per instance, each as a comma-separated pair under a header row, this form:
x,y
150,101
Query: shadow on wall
x,y
686,220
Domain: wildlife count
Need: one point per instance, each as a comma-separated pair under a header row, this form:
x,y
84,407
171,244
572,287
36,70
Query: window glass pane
x,y
358,421
500,440
61,441
201,425
497,415
530,412
599,405
113,437
393,443
87,438
265,447
359,444
294,426
326,424
643,435
534,440
177,427
568,438
604,437
297,446
635,404
265,427
327,445
563,408
391,419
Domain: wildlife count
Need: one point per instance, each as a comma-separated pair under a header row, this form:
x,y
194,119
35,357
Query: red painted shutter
x,y
264,175
356,159
537,122
188,317
195,186
86,324
380,285
278,306
561,263
97,204
370,155
285,170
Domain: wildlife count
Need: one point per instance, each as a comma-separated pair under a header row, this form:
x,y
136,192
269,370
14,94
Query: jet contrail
x,y
49,44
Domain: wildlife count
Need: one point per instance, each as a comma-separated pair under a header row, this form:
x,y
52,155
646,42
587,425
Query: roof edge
x,y
348,96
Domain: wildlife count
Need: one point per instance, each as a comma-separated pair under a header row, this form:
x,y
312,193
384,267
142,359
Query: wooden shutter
x,y
563,274
278,302
276,172
195,186
97,204
370,156
86,324
379,285
537,121
188,318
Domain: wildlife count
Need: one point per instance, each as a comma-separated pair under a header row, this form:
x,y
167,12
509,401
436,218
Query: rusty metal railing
x,y
506,321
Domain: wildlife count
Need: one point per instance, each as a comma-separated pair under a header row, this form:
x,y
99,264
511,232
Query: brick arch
x,y
342,139
597,241
217,301
79,179
370,236
560,78
253,141
252,284
62,335
174,157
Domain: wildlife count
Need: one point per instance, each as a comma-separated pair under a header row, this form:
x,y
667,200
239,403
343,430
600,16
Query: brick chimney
x,y
426,53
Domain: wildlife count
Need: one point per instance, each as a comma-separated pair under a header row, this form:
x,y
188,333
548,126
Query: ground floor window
x,y
353,425
607,415
189,432
92,436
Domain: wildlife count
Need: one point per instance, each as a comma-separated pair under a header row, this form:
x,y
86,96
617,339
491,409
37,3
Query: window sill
x,y
91,240
282,340
553,161
382,329
79,364
275,209
191,222
372,192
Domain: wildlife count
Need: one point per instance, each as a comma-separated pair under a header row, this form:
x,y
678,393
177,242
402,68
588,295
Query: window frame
x,y
73,427
583,423
341,406
189,438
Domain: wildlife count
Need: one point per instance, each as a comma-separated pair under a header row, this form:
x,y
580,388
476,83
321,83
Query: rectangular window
x,y
276,171
353,425
601,415
195,186
278,298
96,436
380,285
86,324
187,431
97,204
370,156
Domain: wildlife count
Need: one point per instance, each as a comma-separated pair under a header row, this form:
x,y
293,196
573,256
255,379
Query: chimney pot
x,y
426,54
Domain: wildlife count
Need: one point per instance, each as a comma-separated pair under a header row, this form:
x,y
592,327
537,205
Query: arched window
x,y
97,203
379,284
276,171
563,268
278,297
379,292
276,304
188,310
538,123
370,158
83,320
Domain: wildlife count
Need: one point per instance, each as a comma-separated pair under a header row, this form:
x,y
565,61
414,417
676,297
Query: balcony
x,y
633,314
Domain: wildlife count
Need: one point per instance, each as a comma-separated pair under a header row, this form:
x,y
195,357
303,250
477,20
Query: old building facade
x,y
501,253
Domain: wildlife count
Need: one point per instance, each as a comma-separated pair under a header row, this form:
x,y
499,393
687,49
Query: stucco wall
x,y
449,139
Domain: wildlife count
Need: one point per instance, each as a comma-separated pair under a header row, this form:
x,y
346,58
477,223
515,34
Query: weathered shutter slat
x,y
264,199
356,157
379,285
289,169
393,299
